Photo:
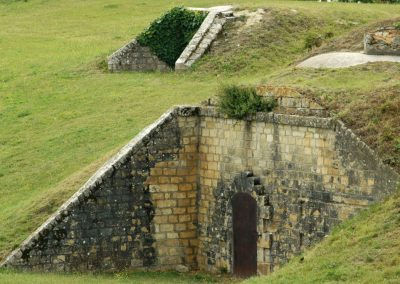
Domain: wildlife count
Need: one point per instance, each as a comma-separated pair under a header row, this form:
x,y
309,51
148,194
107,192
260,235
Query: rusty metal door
x,y
244,235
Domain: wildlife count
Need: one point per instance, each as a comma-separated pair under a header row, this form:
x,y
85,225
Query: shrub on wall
x,y
168,36
239,101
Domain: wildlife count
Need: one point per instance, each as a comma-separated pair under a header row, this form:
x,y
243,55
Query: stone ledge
x,y
295,120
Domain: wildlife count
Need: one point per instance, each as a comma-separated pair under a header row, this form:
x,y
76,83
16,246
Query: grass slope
x,y
10,277
363,249
61,116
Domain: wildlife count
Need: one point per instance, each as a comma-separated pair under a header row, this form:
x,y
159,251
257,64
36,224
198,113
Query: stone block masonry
x,y
134,57
165,200
384,41
202,40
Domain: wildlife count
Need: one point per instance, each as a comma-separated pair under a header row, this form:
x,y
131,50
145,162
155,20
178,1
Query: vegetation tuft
x,y
168,36
316,40
239,101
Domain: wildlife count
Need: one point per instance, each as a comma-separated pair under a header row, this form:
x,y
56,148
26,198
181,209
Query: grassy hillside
x,y
10,277
364,249
62,115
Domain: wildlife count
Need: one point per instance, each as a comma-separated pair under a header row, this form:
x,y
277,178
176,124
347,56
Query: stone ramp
x,y
344,59
206,34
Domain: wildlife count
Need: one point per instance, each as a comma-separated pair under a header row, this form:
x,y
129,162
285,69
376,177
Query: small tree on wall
x,y
240,101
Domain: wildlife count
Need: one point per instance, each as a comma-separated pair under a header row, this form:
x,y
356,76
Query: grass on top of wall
x,y
365,97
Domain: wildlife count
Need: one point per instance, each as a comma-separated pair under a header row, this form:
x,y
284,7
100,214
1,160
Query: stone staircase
x,y
206,34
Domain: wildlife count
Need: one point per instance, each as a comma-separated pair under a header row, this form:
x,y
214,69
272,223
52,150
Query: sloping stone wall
x,y
201,41
134,57
165,199
115,221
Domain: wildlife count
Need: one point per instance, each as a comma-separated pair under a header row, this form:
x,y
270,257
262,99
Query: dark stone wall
x,y
108,225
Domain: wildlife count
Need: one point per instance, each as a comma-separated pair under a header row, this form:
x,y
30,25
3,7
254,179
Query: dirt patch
x,y
252,18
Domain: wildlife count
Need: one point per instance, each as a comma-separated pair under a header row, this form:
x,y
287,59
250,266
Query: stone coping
x,y
145,136
195,41
220,9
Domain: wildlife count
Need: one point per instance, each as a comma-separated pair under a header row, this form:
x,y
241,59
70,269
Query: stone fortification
x,y
204,37
166,198
134,57
383,41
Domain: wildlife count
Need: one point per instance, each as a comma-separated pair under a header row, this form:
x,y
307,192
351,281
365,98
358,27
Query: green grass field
x,y
10,277
62,115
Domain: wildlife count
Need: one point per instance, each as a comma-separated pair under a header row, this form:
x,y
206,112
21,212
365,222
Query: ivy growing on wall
x,y
168,36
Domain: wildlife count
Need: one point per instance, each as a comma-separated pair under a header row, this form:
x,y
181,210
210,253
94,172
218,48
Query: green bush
x,y
313,40
397,26
168,36
239,101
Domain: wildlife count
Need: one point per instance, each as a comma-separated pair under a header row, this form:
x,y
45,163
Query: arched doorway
x,y
244,209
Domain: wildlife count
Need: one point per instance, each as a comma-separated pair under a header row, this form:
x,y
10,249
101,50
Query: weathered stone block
x,y
384,41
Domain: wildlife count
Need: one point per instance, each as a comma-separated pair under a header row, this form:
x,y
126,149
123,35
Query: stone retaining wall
x,y
116,220
201,41
307,175
134,57
384,41
165,199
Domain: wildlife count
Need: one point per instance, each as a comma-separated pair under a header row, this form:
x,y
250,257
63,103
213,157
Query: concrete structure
x,y
344,60
165,200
